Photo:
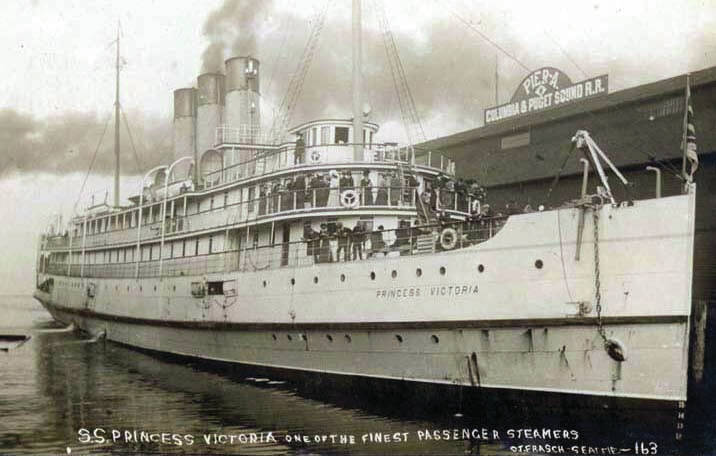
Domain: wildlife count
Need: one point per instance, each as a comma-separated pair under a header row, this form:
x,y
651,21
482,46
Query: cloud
x,y
66,143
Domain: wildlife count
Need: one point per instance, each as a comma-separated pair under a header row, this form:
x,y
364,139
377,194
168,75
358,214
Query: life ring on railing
x,y
350,199
315,156
448,239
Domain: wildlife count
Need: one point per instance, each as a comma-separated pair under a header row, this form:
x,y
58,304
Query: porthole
x,y
343,277
435,339
329,337
399,338
372,275
315,279
288,336
418,272
293,281
394,274
539,264
264,284
348,338
480,268
274,337
442,270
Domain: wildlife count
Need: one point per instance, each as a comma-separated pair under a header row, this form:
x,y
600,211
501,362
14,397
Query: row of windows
x,y
394,274
172,249
347,338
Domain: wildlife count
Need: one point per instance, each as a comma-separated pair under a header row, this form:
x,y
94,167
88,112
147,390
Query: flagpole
x,y
684,128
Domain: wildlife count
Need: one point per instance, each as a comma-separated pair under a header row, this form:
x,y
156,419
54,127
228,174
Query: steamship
x,y
326,252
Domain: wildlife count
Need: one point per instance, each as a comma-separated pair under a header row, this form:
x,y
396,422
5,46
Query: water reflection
x,y
54,386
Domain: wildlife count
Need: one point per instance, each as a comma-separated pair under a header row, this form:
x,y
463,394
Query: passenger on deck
x,y
357,241
312,239
333,198
343,234
322,191
325,245
381,198
346,182
377,245
286,195
299,187
396,189
366,187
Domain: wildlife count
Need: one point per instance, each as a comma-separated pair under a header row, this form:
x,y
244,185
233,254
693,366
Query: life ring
x,y
349,199
315,156
448,239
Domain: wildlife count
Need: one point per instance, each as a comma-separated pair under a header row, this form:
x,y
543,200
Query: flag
x,y
689,141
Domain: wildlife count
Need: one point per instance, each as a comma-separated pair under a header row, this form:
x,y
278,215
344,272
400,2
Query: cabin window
x,y
215,288
196,246
211,243
314,136
211,203
341,135
325,135
226,199
198,290
183,247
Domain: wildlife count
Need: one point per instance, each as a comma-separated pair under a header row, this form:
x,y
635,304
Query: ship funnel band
x,y
242,73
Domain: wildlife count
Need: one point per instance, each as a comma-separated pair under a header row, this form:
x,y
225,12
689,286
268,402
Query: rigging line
x,y
559,173
89,170
561,257
140,167
569,57
472,27
274,65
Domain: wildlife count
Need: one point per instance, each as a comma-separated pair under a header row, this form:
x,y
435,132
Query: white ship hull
x,y
511,326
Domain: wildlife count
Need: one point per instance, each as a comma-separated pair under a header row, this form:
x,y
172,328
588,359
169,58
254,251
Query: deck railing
x,y
316,248
263,207
265,161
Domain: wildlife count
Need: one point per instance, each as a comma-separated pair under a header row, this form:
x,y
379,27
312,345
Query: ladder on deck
x,y
425,215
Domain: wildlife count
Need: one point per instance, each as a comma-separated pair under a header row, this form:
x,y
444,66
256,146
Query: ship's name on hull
x,y
431,290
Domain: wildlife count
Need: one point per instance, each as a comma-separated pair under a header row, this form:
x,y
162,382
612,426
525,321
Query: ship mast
x,y
116,131
357,105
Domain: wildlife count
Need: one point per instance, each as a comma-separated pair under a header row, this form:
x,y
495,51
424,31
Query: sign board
x,y
546,88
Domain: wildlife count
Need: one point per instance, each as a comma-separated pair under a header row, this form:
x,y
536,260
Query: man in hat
x,y
346,182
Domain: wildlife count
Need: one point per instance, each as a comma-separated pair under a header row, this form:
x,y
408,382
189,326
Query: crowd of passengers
x,y
335,242
325,189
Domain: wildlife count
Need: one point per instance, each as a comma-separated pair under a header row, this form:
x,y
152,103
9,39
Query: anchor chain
x,y
597,283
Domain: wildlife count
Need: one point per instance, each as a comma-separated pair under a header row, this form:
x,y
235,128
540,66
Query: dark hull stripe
x,y
446,324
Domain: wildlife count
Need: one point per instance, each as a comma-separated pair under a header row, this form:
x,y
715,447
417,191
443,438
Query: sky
x,y
57,76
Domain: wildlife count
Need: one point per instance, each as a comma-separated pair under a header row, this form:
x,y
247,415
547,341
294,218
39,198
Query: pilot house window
x,y
341,135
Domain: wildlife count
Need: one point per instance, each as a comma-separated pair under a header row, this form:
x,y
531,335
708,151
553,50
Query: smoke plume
x,y
232,28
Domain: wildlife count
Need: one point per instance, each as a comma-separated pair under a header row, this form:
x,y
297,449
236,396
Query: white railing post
x,y
164,209
139,224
